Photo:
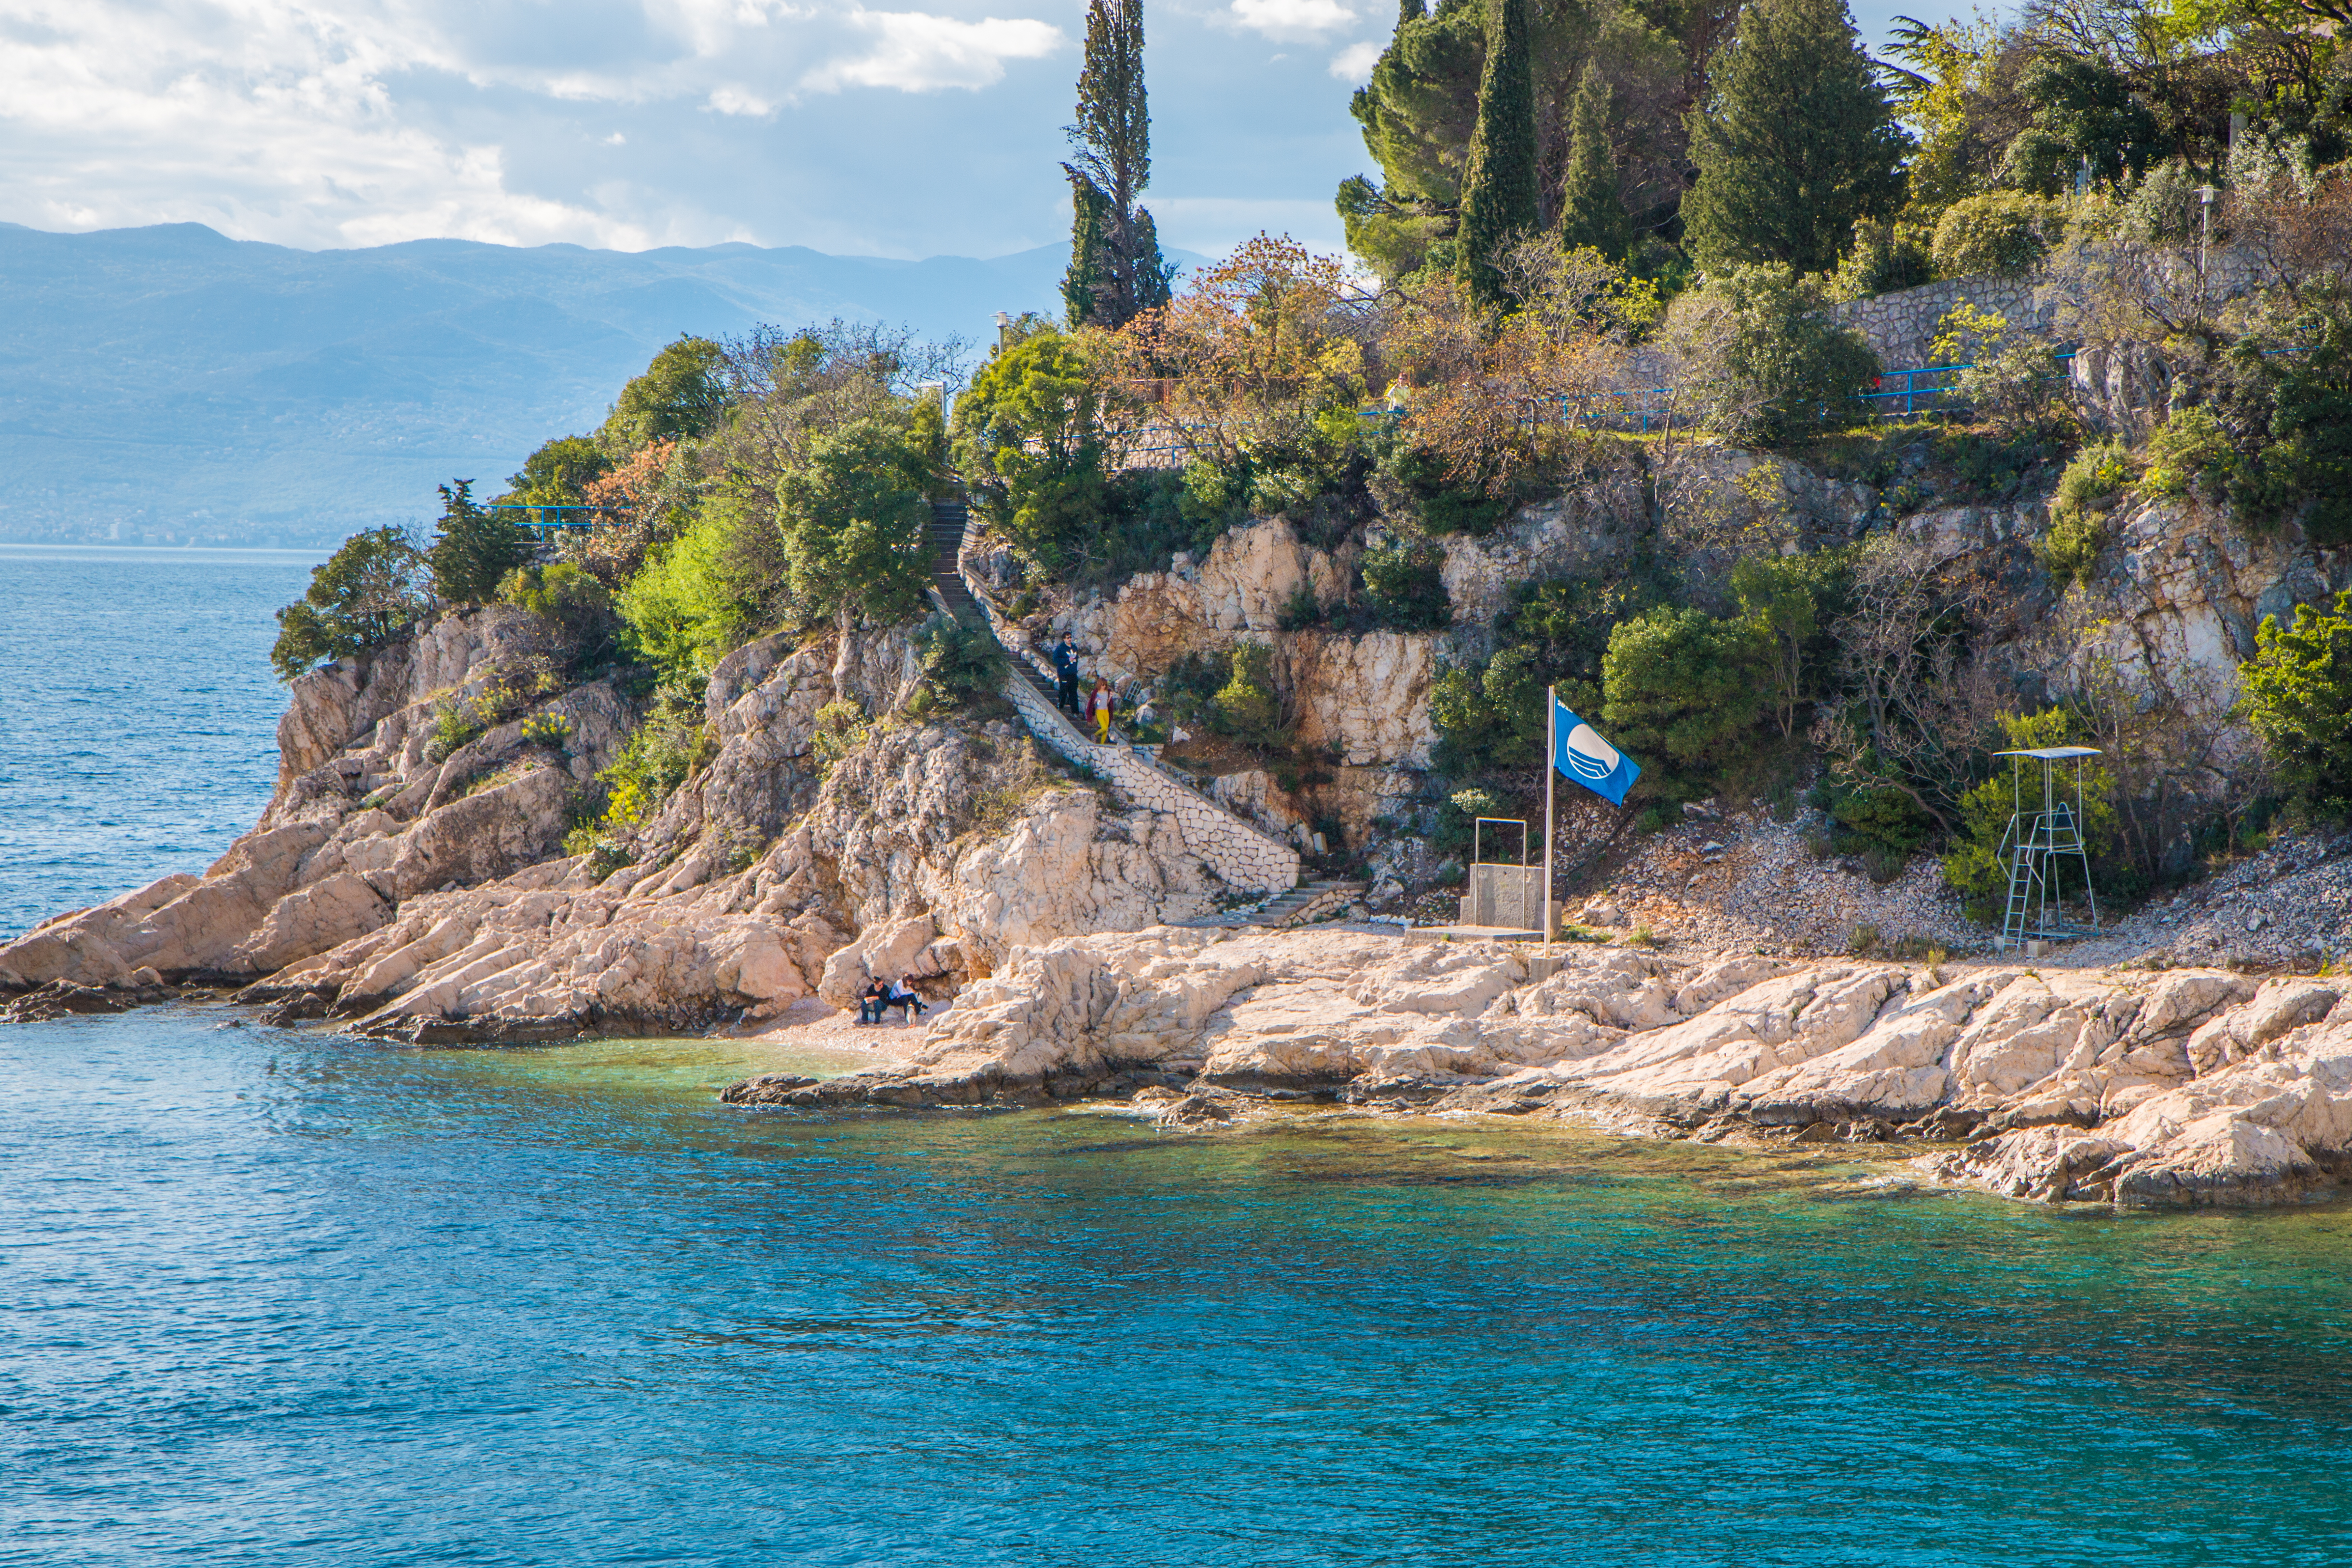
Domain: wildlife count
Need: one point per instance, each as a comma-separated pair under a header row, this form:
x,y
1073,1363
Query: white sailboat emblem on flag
x,y
1590,756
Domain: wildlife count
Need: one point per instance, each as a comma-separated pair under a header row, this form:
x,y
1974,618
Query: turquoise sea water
x,y
274,1298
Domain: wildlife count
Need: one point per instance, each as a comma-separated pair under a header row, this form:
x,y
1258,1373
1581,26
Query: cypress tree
x,y
1794,143
1591,211
1499,185
1115,267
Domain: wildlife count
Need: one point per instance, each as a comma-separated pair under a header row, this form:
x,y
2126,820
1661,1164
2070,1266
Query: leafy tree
x,y
2298,693
1794,143
1760,361
1684,691
694,599
854,518
2083,107
1592,213
1784,598
473,549
369,592
1420,110
1405,581
1115,267
559,474
1028,436
1498,184
682,394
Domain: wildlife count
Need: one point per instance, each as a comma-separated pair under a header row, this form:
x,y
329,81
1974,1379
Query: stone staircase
x,y
1237,851
1302,905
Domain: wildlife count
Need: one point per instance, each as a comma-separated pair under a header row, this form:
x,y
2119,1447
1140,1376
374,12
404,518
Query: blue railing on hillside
x,y
547,519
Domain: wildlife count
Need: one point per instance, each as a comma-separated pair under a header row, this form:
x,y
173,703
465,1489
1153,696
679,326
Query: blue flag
x,y
1579,754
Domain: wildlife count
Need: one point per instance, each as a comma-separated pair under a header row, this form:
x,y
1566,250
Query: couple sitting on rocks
x,y
883,995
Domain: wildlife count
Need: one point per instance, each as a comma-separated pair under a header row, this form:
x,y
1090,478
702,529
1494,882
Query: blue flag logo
x,y
1580,754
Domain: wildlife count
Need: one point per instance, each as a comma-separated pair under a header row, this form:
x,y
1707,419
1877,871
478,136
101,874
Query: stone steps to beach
x,y
1302,905
1240,853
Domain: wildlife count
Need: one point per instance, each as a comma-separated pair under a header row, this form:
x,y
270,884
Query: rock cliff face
x,y
431,900
364,820
2193,1086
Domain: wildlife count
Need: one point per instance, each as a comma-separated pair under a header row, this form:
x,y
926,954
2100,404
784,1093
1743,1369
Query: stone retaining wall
x,y
1902,326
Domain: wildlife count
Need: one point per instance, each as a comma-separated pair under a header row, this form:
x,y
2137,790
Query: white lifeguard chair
x,y
2037,846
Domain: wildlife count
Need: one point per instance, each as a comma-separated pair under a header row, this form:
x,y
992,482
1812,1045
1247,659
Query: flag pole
x,y
1551,767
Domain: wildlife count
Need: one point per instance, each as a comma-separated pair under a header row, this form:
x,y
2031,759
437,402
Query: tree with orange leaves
x,y
1258,359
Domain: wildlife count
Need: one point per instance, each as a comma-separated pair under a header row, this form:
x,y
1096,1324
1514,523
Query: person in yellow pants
x,y
1099,704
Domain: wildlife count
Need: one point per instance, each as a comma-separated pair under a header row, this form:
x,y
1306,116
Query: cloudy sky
x,y
631,124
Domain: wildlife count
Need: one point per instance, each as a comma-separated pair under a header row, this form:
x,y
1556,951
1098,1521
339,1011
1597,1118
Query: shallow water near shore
x,y
271,1297
275,1297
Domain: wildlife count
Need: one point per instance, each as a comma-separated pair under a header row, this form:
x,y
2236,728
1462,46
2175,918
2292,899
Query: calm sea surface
x,y
277,1298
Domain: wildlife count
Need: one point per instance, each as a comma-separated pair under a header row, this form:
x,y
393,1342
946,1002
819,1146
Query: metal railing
x,y
547,519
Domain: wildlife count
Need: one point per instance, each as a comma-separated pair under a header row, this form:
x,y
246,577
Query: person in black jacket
x,y
1066,666
872,1001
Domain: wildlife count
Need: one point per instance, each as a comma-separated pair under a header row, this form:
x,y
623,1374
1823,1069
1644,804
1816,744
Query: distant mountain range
x,y
169,385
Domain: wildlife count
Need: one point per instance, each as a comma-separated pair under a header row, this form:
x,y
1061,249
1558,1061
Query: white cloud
x,y
1292,21
1355,62
735,101
345,122
915,52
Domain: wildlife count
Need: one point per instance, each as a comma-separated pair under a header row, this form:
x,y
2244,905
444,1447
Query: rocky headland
x,y
1084,933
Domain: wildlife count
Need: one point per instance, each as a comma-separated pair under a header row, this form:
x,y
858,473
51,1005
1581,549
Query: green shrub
x,y
691,603
1682,693
554,730
1973,866
370,591
2190,452
455,724
2078,530
1252,712
1446,506
961,663
2298,696
854,523
1762,363
1404,580
1878,821
840,726
666,750
2001,234
473,549
1885,258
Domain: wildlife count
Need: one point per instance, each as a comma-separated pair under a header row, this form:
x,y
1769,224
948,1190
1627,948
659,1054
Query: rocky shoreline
x,y
2139,1089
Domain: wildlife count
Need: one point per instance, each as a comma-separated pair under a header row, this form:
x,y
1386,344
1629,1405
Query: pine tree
x,y
1591,211
1498,187
1410,11
473,547
1115,267
1795,141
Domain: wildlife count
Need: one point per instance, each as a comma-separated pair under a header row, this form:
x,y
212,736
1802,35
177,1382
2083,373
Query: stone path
x,y
1246,858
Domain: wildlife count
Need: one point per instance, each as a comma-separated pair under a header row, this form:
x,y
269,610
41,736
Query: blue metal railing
x,y
547,519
